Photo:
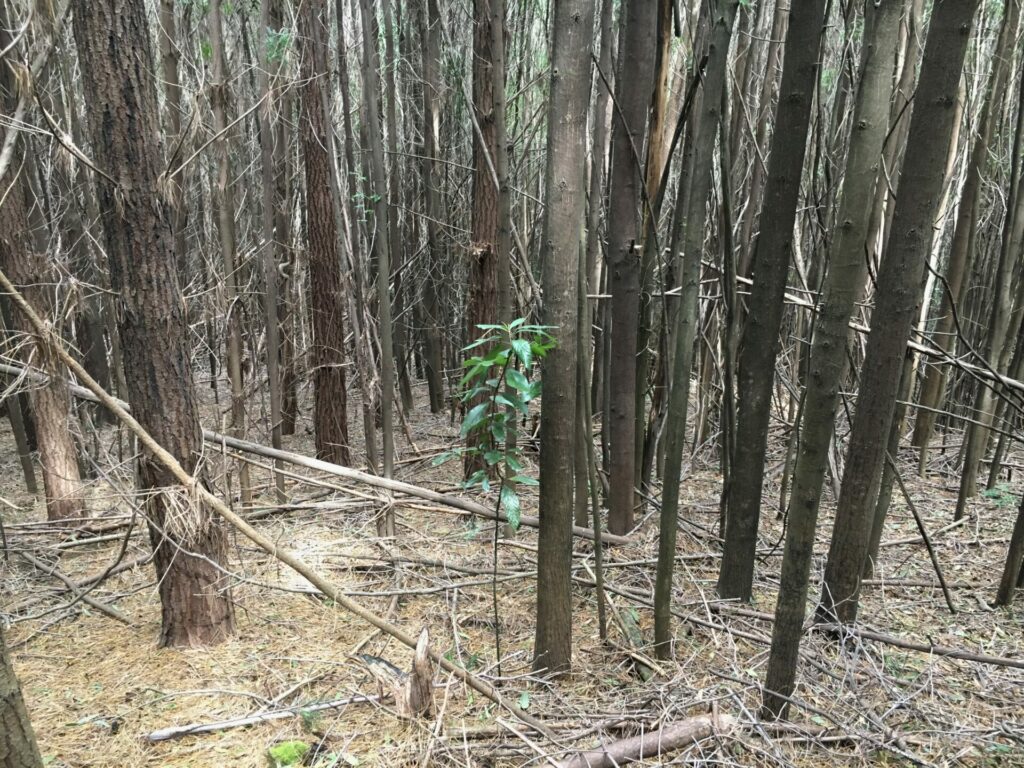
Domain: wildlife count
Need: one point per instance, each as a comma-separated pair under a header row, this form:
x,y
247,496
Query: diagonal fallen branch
x,y
347,473
200,492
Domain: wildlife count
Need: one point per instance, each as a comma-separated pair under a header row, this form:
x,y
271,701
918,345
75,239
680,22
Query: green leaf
x,y
473,419
510,503
524,480
524,700
523,351
518,381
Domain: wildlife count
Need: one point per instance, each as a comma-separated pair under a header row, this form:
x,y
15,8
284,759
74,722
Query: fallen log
x,y
347,473
653,743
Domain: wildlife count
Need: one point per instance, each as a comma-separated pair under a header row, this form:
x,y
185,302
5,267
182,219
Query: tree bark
x,y
899,293
17,739
844,286
756,376
23,256
634,83
565,185
189,544
330,414
721,17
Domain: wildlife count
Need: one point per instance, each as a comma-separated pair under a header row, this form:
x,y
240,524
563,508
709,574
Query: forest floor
x,y
96,687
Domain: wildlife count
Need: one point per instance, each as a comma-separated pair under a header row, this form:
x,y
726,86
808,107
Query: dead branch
x,y
667,739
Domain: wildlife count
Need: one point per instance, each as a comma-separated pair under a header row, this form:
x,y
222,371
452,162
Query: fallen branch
x,y
194,729
653,743
347,473
53,570
203,495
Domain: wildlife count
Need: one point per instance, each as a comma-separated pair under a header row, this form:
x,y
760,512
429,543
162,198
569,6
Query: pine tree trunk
x,y
17,740
330,415
189,543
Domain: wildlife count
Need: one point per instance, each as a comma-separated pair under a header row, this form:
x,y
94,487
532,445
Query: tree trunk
x,y
899,293
756,376
721,16
844,286
168,40
386,225
431,61
565,185
226,232
634,83
23,257
483,294
17,740
962,250
330,415
189,544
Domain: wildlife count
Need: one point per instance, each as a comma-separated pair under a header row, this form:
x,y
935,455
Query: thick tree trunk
x,y
756,378
17,740
634,84
188,542
330,414
899,293
565,185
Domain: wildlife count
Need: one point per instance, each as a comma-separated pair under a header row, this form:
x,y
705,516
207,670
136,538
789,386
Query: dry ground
x,y
96,687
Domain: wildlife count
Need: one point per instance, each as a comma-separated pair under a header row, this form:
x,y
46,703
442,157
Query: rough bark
x,y
23,257
188,542
756,375
482,299
565,185
17,739
326,306
844,285
896,302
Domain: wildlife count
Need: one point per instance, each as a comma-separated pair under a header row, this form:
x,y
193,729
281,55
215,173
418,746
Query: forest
x,y
494,383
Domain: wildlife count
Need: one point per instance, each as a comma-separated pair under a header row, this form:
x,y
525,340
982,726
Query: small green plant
x,y
497,389
1001,495
278,42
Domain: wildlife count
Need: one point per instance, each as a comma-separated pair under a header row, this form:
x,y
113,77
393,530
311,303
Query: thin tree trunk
x,y
634,84
899,288
23,257
385,227
168,38
226,232
431,57
565,185
756,379
722,15
962,250
270,247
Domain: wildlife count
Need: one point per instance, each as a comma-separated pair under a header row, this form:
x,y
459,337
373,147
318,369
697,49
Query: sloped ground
x,y
96,687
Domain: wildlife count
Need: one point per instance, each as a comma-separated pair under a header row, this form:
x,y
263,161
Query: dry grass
x,y
95,687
